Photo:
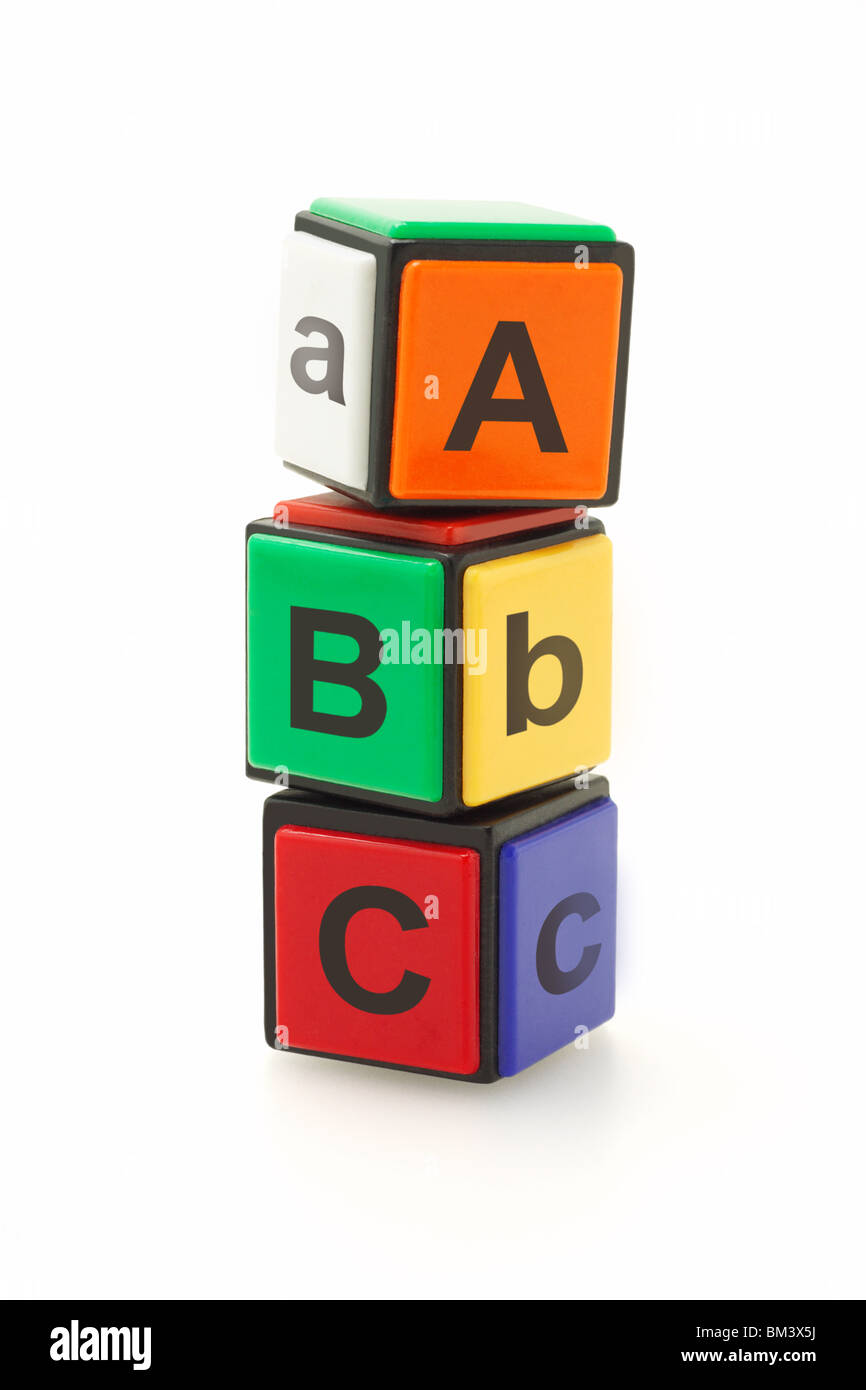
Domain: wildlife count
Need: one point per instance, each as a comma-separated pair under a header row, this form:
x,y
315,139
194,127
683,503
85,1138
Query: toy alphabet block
x,y
470,948
454,353
432,662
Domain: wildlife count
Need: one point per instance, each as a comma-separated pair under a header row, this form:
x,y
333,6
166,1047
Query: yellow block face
x,y
541,708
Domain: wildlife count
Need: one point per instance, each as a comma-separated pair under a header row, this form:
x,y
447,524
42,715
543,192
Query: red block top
x,y
431,527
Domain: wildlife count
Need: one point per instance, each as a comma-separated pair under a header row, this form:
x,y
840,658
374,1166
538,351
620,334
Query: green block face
x,y
411,218
320,703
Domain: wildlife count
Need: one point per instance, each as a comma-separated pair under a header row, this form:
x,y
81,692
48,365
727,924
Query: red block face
x,y
377,949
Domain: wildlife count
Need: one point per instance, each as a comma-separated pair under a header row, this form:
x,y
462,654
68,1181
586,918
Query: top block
x,y
466,354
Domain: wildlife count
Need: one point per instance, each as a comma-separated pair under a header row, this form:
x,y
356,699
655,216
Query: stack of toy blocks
x,y
429,646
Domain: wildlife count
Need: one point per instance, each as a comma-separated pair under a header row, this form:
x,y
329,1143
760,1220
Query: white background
x,y
710,1142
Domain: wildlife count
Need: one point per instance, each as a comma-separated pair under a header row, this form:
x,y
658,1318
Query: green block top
x,y
419,218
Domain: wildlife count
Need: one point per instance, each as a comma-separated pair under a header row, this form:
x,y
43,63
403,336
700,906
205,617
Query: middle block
x,y
432,662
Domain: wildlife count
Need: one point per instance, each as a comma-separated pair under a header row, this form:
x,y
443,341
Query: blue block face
x,y
557,934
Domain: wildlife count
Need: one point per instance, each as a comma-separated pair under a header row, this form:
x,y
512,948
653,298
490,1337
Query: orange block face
x,y
505,379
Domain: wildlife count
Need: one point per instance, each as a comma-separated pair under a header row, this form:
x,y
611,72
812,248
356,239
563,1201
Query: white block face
x,y
325,358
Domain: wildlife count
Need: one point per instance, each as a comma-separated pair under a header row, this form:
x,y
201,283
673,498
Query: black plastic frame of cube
x,y
485,830
392,255
455,561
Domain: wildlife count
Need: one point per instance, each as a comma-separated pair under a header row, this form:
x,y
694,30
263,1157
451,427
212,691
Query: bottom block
x,y
468,948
